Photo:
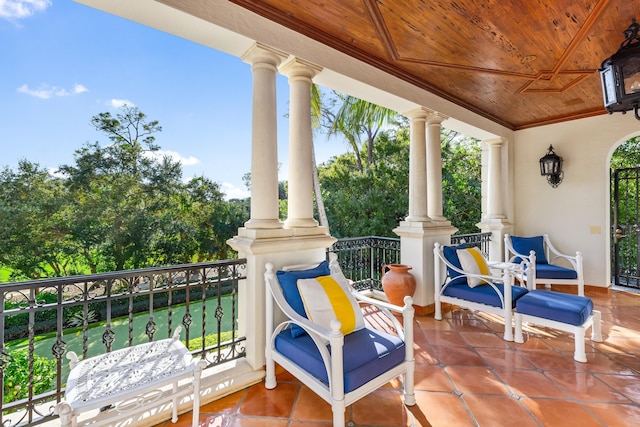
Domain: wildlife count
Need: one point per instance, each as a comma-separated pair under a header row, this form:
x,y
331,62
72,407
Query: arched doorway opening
x,y
625,214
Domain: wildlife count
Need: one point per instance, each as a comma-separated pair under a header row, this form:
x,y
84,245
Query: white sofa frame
x,y
333,393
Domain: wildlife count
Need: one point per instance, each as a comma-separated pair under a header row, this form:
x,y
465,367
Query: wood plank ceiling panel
x,y
520,63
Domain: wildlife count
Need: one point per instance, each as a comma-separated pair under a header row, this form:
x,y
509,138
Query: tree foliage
x,y
373,201
119,206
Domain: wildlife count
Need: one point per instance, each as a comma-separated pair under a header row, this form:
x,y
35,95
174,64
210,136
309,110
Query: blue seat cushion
x,y
450,254
550,271
289,283
367,353
524,245
564,308
484,294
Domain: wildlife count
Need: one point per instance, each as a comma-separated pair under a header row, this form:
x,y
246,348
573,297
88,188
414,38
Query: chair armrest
x,y
575,261
385,308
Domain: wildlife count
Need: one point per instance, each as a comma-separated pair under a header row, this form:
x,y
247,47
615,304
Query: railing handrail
x,y
55,281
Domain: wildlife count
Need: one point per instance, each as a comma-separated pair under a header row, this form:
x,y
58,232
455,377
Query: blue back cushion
x,y
289,283
524,245
450,254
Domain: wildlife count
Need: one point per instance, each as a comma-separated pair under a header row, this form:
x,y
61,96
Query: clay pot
x,y
397,283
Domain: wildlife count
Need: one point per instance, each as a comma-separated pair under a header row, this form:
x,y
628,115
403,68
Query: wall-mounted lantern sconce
x,y
551,167
620,75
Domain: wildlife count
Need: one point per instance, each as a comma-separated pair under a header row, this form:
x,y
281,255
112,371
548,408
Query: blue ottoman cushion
x,y
483,294
550,271
564,308
366,354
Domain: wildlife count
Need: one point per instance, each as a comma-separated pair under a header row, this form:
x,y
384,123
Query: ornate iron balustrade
x,y
362,258
93,314
481,240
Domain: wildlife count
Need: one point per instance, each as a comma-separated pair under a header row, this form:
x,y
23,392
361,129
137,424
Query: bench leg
x,y
518,337
67,418
197,375
579,354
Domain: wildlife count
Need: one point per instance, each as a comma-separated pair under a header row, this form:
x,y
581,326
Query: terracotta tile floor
x,y
466,375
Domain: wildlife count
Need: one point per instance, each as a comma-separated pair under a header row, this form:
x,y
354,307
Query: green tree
x,y
461,180
34,222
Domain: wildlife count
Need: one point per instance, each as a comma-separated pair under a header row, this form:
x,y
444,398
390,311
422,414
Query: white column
x,y
418,165
434,166
300,208
493,190
264,142
494,187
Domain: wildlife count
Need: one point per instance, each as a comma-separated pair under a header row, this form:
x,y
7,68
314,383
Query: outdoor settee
x,y
543,262
324,340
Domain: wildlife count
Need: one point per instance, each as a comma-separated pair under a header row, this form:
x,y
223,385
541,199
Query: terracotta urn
x,y
397,283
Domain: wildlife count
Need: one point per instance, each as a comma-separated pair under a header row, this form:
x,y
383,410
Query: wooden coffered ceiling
x,y
521,63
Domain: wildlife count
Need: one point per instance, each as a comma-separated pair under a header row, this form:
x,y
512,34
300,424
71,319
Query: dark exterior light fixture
x,y
620,74
551,167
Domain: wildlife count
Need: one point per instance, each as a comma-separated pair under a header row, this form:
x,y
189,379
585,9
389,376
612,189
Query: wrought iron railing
x,y
481,240
41,320
362,258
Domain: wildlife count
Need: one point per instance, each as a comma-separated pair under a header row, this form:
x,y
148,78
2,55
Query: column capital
x,y
296,67
436,118
261,53
499,141
418,113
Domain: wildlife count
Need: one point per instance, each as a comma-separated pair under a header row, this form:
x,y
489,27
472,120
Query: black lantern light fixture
x,y
620,75
551,167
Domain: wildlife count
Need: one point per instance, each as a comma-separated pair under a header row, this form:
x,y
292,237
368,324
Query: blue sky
x,y
63,62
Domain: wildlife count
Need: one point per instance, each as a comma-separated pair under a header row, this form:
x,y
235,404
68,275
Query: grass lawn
x,y
73,337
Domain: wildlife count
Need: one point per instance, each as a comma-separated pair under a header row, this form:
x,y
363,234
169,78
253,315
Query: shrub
x,y
16,376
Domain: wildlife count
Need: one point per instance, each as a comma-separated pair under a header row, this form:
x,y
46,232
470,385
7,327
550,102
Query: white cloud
x,y
45,91
55,172
119,103
176,157
233,192
19,9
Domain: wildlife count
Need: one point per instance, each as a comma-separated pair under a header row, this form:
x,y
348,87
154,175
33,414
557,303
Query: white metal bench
x,y
125,382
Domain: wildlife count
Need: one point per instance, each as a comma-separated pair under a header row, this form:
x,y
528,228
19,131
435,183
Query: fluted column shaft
x,y
264,141
300,207
494,187
434,167
418,165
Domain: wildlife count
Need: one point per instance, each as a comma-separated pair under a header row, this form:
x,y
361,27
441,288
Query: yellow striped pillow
x,y
325,299
473,262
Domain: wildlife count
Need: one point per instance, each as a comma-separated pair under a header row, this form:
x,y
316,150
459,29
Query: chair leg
x,y
579,354
518,338
270,377
409,393
596,328
338,409
438,309
508,325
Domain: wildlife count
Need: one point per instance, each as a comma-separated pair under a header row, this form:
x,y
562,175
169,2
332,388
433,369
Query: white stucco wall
x,y
576,213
